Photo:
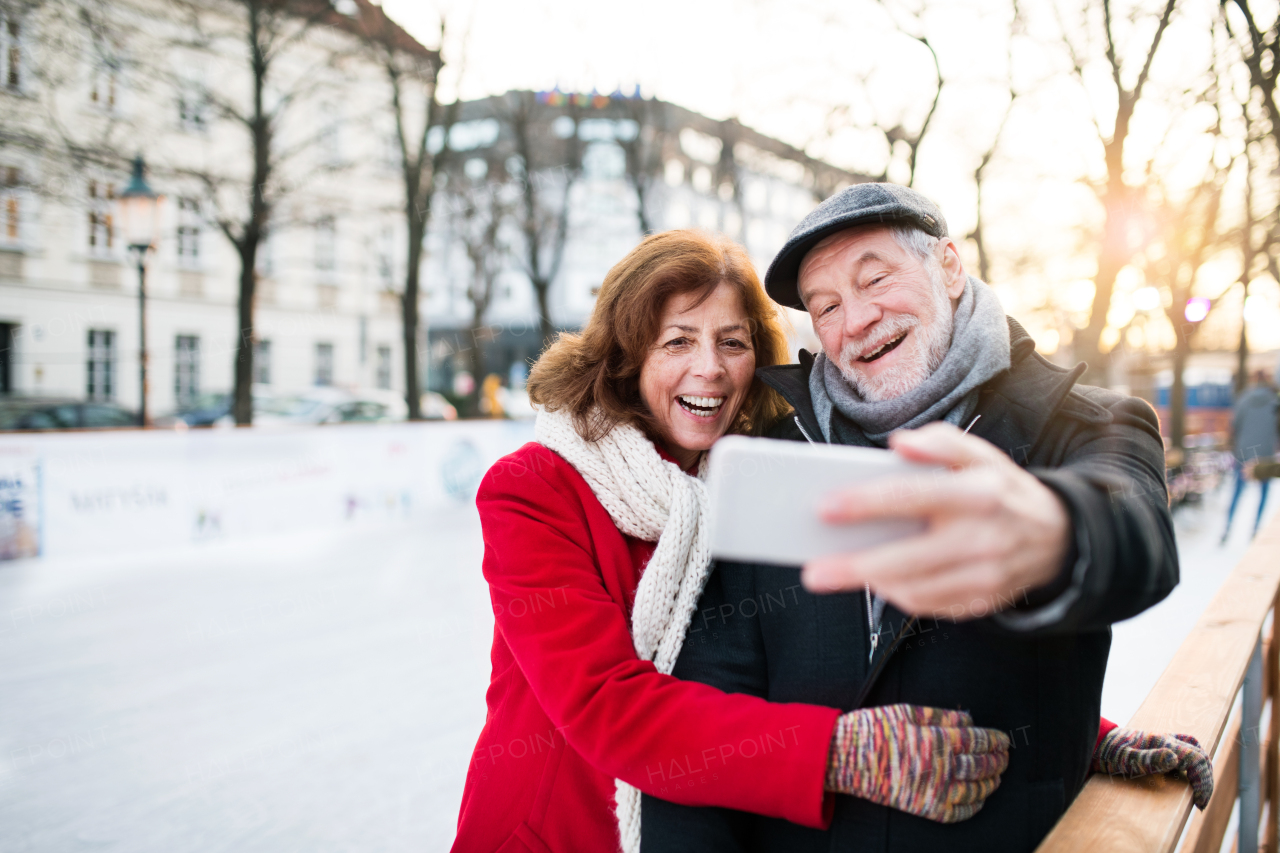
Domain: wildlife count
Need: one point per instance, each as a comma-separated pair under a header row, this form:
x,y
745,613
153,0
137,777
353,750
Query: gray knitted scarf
x,y
979,351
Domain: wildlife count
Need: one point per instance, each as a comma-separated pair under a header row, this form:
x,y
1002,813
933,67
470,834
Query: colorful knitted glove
x,y
1131,753
926,761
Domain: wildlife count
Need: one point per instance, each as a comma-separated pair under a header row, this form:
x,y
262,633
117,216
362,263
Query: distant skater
x,y
1253,439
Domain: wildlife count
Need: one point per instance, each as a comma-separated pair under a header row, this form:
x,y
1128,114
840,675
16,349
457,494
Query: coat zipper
x,y
803,431
874,675
875,606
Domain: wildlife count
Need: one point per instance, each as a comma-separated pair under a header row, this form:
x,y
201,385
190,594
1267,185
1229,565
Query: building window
x,y
386,257
383,377
326,236
327,297
10,204
324,364
100,368
188,231
327,139
103,85
193,98
186,368
11,42
262,362
604,161
101,229
191,111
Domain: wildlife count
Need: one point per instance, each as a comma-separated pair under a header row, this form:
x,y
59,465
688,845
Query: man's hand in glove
x,y
1130,753
929,762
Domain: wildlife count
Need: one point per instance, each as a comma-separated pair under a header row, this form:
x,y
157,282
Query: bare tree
x,y
545,167
479,210
902,142
420,119
1119,200
67,140
1261,55
243,202
1260,234
1256,241
644,152
1189,233
978,234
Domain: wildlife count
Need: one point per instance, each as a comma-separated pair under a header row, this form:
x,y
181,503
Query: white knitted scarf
x,y
652,500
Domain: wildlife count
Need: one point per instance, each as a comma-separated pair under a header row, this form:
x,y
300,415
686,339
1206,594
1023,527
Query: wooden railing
x,y
1223,656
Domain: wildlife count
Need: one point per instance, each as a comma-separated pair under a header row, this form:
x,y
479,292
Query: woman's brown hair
x,y
599,370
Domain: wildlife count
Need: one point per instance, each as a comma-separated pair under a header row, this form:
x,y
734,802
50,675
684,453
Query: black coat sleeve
x,y
724,649
1111,477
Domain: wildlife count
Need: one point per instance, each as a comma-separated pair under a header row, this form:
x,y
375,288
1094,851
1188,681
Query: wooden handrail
x,y
1194,696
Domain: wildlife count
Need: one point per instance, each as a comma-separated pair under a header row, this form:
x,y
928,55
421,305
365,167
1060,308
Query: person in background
x,y
1254,439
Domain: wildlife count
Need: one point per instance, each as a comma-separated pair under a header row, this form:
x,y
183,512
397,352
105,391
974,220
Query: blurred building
x,y
85,87
627,166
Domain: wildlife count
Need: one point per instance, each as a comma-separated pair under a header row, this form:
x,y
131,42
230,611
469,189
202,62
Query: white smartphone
x,y
765,493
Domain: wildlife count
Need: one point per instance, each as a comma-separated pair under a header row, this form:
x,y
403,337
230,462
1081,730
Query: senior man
x,y
1051,524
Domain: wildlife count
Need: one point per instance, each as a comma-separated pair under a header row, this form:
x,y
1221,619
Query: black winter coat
x,y
1035,671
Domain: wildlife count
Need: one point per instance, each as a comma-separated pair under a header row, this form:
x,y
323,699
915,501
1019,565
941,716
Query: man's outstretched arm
x,y
1078,546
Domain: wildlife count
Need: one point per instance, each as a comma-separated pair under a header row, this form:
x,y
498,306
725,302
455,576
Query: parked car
x,y
373,406
212,409
61,413
204,410
324,406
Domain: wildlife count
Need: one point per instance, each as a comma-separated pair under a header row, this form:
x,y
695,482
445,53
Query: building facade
x,y
81,96
625,165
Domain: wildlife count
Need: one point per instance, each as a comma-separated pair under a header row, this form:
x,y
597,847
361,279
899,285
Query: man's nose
x,y
859,316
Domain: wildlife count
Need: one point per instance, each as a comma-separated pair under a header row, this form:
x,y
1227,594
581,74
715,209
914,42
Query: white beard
x,y
914,366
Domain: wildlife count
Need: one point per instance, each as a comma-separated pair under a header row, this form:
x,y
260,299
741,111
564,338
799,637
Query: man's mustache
x,y
880,334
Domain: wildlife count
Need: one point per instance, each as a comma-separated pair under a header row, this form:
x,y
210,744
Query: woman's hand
x,y
929,762
1131,753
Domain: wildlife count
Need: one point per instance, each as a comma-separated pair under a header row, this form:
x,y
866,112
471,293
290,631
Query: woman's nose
x,y
709,364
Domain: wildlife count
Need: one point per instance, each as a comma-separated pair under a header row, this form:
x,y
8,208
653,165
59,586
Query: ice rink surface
x,y
313,693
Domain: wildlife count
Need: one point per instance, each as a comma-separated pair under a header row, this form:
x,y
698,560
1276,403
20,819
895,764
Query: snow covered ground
x,y
309,693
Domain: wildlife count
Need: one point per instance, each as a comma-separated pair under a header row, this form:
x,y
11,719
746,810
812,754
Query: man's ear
x,y
953,273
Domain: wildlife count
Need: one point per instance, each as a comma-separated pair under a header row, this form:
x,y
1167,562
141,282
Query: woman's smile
x,y
704,408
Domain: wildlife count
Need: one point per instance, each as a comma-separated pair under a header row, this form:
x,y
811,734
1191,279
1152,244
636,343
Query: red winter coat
x,y
571,707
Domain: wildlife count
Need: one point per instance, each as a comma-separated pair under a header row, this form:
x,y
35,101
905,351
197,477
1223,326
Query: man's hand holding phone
x,y
992,531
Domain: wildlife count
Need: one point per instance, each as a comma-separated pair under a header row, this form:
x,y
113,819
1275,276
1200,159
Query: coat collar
x,y
1016,406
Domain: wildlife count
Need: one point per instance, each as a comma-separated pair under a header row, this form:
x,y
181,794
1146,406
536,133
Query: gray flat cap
x,y
860,204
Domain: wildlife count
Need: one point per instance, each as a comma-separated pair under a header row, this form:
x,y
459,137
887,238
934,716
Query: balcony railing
x,y
1223,657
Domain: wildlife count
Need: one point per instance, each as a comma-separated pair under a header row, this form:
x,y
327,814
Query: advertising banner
x,y
19,503
124,491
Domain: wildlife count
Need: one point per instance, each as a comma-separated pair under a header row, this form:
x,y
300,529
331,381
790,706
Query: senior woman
x,y
596,554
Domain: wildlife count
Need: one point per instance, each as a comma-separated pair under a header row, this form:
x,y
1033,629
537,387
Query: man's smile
x,y
885,348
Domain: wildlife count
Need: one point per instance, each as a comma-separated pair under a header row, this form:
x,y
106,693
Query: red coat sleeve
x,y
1104,728
624,717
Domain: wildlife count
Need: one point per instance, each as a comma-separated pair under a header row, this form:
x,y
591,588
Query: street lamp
x,y
140,223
